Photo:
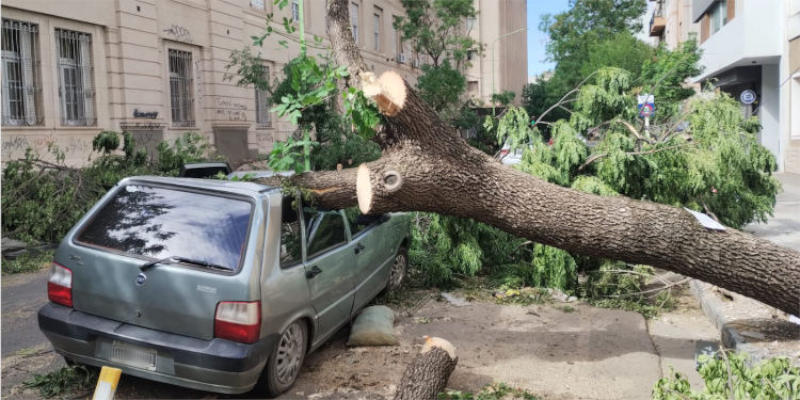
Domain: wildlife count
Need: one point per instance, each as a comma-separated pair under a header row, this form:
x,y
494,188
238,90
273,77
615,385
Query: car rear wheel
x,y
284,364
399,268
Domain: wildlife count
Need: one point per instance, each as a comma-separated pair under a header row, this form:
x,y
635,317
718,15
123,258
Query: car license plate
x,y
134,356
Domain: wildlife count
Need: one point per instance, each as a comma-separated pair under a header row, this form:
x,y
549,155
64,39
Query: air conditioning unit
x,y
401,58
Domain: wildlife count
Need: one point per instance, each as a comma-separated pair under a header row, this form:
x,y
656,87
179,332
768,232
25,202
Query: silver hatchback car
x,y
214,285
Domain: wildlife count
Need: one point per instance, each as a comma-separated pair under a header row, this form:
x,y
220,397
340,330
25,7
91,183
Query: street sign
x,y
747,97
646,105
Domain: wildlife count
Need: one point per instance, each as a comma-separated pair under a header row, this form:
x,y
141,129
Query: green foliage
x,y
494,391
586,26
338,145
42,200
504,98
445,248
190,147
622,50
733,376
441,85
309,87
31,261
664,73
552,267
63,381
435,28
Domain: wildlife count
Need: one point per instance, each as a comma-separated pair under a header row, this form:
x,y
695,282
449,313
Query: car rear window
x,y
159,222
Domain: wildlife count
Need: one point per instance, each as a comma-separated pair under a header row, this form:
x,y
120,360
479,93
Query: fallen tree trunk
x,y
428,373
426,166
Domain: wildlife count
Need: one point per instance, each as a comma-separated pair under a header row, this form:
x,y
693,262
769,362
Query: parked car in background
x,y
204,169
509,156
214,285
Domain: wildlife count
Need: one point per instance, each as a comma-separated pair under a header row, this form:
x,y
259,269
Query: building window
x,y
257,4
472,88
469,24
180,87
376,33
21,91
354,20
76,89
718,15
263,101
296,10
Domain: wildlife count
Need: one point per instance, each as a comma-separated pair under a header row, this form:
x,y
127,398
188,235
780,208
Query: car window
x,y
291,238
358,221
161,222
326,230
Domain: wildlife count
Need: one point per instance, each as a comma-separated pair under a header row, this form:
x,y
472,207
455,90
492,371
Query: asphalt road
x,y
22,296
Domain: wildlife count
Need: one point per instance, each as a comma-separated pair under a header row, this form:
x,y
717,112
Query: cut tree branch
x,y
426,166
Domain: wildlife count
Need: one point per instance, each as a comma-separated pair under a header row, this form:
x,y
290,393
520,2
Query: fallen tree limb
x,y
426,166
428,373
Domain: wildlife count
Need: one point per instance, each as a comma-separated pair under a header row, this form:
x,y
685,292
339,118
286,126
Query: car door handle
x,y
314,271
358,248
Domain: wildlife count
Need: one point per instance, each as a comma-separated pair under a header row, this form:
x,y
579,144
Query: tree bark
x,y
428,373
426,166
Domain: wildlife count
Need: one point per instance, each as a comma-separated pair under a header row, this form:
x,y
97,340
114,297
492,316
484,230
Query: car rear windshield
x,y
159,222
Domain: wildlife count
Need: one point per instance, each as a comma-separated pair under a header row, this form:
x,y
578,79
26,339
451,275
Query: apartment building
x,y
156,68
671,22
751,50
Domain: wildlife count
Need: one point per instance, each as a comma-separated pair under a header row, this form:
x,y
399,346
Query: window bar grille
x,y
20,88
76,87
180,84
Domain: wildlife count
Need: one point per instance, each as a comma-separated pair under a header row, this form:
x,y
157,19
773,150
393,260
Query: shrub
x,y
733,376
42,200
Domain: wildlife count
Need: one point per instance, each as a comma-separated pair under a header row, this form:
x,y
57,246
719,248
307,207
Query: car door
x,y
371,255
329,268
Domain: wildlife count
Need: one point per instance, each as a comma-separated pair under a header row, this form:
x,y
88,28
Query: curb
x,y
731,337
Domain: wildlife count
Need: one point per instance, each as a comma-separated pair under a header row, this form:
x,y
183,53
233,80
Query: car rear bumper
x,y
215,365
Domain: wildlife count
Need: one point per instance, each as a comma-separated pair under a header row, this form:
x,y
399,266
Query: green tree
x,y
574,33
437,29
441,86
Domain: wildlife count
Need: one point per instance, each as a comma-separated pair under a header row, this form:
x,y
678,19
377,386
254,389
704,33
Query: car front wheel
x,y
284,364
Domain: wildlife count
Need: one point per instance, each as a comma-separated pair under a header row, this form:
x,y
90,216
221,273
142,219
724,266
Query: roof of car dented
x,y
244,188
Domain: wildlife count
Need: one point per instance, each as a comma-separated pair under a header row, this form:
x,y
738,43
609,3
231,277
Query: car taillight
x,y
239,321
59,285
503,153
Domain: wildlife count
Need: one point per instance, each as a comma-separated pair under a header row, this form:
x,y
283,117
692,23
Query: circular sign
x,y
747,97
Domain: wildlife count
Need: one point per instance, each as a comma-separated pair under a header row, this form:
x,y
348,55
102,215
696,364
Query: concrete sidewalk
x,y
783,227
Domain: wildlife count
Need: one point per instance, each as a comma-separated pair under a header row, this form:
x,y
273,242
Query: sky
x,y
537,39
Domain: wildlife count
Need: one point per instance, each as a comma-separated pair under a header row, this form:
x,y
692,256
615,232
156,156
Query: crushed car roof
x,y
246,188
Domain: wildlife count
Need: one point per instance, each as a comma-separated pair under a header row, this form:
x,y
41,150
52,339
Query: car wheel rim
x,y
290,355
398,271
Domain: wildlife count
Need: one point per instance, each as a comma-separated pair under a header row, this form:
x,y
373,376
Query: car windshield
x,y
159,222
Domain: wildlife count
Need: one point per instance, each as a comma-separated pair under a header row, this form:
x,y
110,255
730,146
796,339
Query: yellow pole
x,y
107,383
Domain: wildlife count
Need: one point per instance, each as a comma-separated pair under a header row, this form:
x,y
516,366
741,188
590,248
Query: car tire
x,y
397,274
286,360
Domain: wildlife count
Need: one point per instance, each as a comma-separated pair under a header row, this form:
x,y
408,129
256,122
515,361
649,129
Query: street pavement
x,y
22,296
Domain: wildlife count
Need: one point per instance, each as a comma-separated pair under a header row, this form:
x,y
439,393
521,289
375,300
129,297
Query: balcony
x,y
657,23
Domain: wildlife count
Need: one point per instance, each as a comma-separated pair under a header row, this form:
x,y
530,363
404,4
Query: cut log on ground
x,y
428,373
427,166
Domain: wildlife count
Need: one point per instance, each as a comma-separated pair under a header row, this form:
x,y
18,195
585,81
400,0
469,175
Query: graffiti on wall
x,y
77,147
230,109
178,32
